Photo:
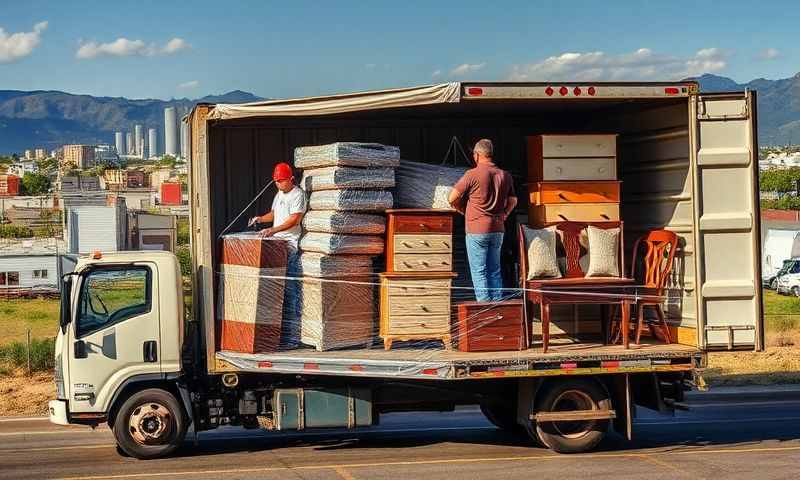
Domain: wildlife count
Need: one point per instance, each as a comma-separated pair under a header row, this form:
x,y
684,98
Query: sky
x,y
149,49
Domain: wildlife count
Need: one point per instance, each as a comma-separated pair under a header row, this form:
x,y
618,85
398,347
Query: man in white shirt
x,y
286,217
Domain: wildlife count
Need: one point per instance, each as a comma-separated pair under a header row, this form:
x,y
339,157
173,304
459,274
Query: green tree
x,y
35,184
783,180
168,161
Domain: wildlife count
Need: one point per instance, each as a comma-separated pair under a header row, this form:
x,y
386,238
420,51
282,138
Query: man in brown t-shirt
x,y
490,198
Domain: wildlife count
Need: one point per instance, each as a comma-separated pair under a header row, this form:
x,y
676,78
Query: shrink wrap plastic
x,y
332,221
351,200
351,154
338,314
337,178
422,185
314,264
338,244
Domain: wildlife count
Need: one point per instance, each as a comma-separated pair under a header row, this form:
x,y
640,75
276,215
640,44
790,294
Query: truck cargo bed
x,y
564,359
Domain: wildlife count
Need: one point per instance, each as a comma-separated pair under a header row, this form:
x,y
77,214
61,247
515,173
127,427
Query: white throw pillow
x,y
541,246
603,252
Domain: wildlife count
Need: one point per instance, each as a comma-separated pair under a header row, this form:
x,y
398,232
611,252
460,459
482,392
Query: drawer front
x,y
579,145
424,287
596,168
492,340
423,243
416,262
421,305
578,212
574,192
472,319
418,325
404,223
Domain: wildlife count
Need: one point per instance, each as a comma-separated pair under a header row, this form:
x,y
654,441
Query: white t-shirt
x,y
284,205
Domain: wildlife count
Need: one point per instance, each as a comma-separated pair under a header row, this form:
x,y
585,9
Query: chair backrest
x,y
570,239
659,252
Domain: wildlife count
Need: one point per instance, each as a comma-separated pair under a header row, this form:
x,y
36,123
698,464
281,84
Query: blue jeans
x,y
483,252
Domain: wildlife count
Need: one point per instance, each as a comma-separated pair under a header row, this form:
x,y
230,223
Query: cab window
x,y
110,296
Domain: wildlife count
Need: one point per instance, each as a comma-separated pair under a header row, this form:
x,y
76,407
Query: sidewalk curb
x,y
750,393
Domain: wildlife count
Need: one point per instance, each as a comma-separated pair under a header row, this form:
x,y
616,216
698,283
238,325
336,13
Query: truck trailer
x,y
127,355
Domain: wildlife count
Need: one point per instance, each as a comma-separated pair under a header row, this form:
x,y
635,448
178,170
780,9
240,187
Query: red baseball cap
x,y
283,171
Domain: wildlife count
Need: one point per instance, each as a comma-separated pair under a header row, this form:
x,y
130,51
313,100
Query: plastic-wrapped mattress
x,y
337,178
321,265
352,200
422,185
332,221
351,154
338,244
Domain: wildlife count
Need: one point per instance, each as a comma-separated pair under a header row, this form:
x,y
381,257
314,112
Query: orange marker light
x,y
96,255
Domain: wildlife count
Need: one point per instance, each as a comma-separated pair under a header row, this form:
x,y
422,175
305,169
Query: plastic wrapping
x,y
332,221
337,178
350,154
338,314
352,200
422,185
331,266
338,244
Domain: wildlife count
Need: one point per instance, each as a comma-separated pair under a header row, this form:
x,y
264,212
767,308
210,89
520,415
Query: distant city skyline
x,y
305,48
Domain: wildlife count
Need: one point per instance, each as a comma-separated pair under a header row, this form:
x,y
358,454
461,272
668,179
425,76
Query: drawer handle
x,y
424,309
423,242
445,262
602,169
408,264
423,262
562,196
408,245
423,226
562,217
559,170
446,244
501,338
605,216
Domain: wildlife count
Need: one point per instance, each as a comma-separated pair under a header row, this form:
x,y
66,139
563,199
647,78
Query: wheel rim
x,y
150,423
571,400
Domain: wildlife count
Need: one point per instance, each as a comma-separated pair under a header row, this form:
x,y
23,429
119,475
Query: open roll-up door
x,y
727,220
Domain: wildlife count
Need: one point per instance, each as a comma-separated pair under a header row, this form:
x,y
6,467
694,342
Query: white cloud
x,y
769,54
189,84
21,44
436,73
643,64
466,68
122,47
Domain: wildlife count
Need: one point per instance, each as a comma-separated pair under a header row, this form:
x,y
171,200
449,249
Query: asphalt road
x,y
730,439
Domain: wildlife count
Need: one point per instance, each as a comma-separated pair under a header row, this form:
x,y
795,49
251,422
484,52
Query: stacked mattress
x,y
343,228
423,185
251,288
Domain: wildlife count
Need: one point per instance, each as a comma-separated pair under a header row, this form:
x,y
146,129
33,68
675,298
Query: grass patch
x,y
16,316
14,355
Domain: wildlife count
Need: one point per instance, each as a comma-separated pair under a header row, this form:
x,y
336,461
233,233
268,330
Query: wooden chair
x,y
658,247
574,287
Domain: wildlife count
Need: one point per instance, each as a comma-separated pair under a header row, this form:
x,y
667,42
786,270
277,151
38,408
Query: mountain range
x,y
50,119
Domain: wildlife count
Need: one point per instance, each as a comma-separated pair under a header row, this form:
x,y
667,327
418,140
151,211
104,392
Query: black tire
x,y
150,424
502,416
566,395
796,291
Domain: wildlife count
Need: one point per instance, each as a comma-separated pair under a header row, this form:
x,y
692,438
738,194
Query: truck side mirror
x,y
66,304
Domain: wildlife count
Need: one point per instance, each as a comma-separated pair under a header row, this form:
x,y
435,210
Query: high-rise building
x,y
138,135
119,142
40,153
28,154
151,134
129,147
184,141
81,156
170,131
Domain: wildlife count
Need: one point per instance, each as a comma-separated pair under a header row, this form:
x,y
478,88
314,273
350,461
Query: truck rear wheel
x,y
150,424
570,395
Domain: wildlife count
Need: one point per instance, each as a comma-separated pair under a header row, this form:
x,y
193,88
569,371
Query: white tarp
x,y
401,97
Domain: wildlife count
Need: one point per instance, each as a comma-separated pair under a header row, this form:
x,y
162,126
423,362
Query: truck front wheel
x,y
149,424
566,396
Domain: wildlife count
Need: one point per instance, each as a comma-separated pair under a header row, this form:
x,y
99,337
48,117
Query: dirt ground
x,y
26,395
774,365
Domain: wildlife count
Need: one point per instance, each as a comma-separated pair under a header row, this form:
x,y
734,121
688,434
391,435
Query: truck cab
x,y
121,330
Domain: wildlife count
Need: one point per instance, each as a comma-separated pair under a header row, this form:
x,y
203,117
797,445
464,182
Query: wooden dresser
x,y
491,327
572,178
416,287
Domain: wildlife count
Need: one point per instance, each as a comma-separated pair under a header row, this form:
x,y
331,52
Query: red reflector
x,y
430,371
357,368
577,91
563,91
549,91
264,364
569,365
311,366
591,91
610,364
671,91
474,91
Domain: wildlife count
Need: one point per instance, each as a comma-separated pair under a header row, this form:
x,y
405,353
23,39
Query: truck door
x,y
115,334
727,222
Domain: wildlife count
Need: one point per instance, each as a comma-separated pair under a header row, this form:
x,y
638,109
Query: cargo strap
x,y
246,208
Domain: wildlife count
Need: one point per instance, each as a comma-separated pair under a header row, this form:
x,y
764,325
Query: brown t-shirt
x,y
487,189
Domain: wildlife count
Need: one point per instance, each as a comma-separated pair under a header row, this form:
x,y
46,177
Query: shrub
x,y
183,231
15,231
185,259
42,354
